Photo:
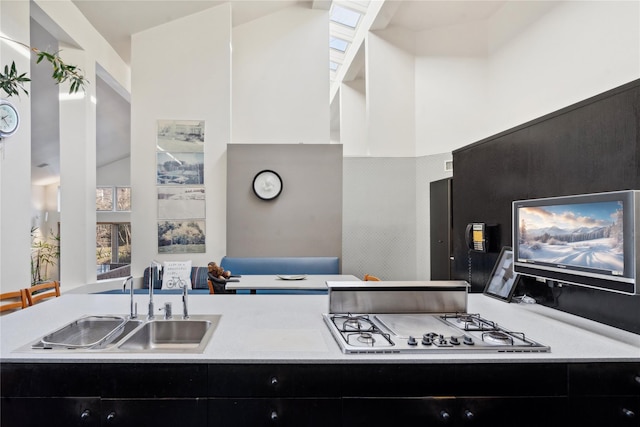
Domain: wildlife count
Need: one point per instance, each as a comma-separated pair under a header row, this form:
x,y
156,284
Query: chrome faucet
x,y
152,280
185,300
134,307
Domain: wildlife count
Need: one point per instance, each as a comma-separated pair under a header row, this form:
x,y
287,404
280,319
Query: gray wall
x,y
305,220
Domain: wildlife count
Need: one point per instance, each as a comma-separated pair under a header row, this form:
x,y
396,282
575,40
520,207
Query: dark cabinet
x,y
50,411
605,394
440,214
307,412
456,411
350,394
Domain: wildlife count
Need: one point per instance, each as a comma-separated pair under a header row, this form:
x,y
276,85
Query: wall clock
x,y
267,185
9,119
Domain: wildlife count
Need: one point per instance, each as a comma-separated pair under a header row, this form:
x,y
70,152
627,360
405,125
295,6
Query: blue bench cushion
x,y
198,279
281,265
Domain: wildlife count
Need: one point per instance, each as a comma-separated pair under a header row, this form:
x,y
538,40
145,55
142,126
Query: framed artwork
x,y
180,136
180,168
503,281
181,236
181,202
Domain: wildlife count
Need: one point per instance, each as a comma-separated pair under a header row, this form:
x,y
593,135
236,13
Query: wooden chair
x,y
17,299
210,286
369,278
42,291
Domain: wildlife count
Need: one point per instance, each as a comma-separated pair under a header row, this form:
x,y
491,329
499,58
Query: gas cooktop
x,y
425,333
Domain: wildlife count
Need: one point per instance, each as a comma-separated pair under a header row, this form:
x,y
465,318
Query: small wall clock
x,y
267,185
9,119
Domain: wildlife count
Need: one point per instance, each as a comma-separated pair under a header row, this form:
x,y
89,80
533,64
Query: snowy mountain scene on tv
x,y
587,235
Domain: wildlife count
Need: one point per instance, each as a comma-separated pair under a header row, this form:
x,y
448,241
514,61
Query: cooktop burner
x,y
424,333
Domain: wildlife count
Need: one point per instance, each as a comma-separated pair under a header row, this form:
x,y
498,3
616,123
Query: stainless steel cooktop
x,y
425,333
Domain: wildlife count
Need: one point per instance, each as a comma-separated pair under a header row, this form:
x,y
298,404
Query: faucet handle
x,y
168,312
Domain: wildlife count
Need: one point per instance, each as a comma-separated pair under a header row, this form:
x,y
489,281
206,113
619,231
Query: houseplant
x,y
44,253
12,81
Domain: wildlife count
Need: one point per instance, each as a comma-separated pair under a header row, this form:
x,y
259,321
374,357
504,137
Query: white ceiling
x,y
117,20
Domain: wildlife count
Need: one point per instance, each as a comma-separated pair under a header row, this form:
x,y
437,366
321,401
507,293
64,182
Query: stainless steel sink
x,y
169,335
118,334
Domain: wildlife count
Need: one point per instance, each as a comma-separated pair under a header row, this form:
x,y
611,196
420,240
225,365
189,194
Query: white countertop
x,y
290,329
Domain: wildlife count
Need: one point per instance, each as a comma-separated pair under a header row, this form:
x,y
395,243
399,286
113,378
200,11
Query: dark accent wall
x,y
589,147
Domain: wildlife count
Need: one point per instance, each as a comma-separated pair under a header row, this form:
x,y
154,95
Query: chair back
x,y
13,300
370,278
42,291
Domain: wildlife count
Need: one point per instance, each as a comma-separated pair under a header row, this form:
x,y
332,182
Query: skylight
x,y
338,44
344,16
333,65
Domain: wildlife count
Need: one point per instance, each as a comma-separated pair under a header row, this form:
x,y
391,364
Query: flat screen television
x,y
586,240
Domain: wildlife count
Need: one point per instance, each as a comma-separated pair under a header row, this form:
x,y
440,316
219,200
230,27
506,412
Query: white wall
x,y
389,97
555,55
353,118
574,51
15,160
281,78
180,70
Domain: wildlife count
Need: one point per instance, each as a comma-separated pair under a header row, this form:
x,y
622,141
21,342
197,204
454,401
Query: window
x,y
338,44
104,199
344,16
109,199
113,244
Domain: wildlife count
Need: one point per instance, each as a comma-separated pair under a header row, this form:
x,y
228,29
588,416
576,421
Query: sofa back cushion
x,y
281,265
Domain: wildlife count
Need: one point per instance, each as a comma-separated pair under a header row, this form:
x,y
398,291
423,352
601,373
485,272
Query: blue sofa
x,y
281,265
248,266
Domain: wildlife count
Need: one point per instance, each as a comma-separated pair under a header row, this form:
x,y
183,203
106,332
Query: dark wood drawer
x,y
522,379
321,412
147,380
278,380
451,411
599,411
600,379
49,379
57,411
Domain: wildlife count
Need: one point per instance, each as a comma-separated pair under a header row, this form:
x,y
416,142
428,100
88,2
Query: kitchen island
x,y
273,360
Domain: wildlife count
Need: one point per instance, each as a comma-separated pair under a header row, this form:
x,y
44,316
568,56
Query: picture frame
x,y
503,280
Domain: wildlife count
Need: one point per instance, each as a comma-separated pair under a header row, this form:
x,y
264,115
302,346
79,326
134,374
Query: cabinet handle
x,y
628,413
274,416
637,378
85,415
274,381
468,414
111,416
445,416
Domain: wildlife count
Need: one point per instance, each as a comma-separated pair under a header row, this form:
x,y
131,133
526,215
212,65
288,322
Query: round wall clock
x,y
9,119
267,185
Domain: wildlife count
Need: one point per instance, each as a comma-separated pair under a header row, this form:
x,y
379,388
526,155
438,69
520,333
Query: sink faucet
x,y
134,307
185,300
152,281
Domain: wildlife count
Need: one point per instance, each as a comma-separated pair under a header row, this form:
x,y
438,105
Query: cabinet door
x,y
154,412
275,380
310,412
451,411
58,411
599,411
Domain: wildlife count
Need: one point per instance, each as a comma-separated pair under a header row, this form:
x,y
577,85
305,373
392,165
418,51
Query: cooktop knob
x,y
454,341
468,340
412,341
426,340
